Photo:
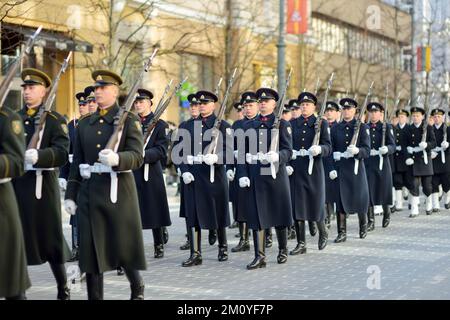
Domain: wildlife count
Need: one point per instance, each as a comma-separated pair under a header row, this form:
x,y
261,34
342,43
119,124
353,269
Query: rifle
x,y
219,83
358,125
444,127
158,113
318,124
121,116
35,141
317,86
383,130
276,124
6,83
211,149
425,127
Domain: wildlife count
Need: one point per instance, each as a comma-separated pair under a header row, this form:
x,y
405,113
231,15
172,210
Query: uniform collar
x,y
28,114
109,117
311,120
267,120
401,126
375,125
438,126
349,123
207,121
147,118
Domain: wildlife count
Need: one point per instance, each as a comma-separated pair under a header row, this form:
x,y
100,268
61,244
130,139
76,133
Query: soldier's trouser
x,y
59,272
135,278
94,283
441,179
222,237
400,180
157,236
281,237
426,185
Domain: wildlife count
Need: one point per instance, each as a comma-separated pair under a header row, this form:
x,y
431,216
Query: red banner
x,y
297,19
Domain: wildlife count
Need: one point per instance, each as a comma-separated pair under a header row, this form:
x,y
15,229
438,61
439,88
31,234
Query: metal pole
x,y
281,58
413,54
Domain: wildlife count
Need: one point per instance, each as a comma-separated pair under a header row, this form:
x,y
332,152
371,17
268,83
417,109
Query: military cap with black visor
x,y
249,97
206,96
267,94
331,105
32,76
307,97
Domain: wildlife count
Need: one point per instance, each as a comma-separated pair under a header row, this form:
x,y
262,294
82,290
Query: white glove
x,y
108,157
410,150
244,182
31,156
398,148
85,171
434,154
70,158
409,162
187,177
294,155
62,183
333,174
289,170
423,145
337,156
272,157
383,150
210,159
315,150
70,207
230,175
248,158
178,172
352,149
236,153
445,145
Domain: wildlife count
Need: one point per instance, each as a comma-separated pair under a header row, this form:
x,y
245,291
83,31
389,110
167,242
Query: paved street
x,y
409,260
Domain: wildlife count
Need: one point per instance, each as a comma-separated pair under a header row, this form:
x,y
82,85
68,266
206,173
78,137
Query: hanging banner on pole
x,y
297,16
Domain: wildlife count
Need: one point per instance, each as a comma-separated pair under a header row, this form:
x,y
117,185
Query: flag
x,y
297,19
424,59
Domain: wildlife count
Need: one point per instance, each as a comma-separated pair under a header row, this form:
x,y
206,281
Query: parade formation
x,y
286,163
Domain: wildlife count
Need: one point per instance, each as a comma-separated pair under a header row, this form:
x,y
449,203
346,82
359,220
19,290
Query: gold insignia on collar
x,y
16,126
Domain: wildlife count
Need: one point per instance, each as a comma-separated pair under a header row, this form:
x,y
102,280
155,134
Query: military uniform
x,y
150,185
308,188
236,196
330,185
441,164
268,200
420,164
352,189
205,202
37,191
106,196
400,155
378,168
14,278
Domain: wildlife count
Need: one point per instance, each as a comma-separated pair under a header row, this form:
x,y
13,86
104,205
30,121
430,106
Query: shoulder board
x,y
84,117
4,113
53,115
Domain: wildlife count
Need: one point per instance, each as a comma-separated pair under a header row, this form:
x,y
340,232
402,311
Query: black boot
x,y
323,234
282,244
370,219
312,228
386,216
341,220
74,256
186,245
196,255
268,234
212,236
120,271
329,209
301,238
94,283
260,248
165,235
158,240
362,217
243,244
59,272
136,284
223,246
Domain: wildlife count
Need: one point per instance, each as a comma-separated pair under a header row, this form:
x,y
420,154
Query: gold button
x,y
304,124
346,128
346,134
27,122
398,134
412,135
98,146
99,132
25,134
304,131
303,139
101,121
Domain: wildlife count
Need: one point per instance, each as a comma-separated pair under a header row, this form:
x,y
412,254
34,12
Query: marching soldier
x,y
205,202
287,113
37,190
14,278
419,162
109,220
400,169
83,110
195,113
296,110
332,117
441,160
308,189
268,203
378,166
150,185
249,101
352,193
89,93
